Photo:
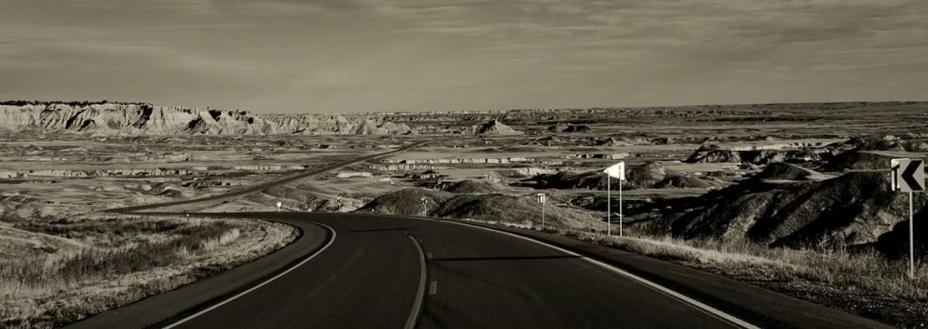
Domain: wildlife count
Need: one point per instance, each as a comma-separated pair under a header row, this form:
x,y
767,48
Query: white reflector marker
x,y
616,171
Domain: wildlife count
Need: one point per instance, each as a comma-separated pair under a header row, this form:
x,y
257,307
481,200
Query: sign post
x,y
279,204
542,199
908,175
618,171
425,206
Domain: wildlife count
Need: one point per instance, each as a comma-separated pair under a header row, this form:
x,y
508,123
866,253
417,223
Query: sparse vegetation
x,y
865,283
129,259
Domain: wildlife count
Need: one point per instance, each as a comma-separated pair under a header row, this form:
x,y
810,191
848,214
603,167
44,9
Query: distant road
x,y
267,185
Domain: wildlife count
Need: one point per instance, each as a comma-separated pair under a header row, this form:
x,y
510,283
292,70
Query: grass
x,y
62,271
125,259
865,283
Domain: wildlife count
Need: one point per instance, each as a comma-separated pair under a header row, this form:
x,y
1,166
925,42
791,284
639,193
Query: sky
x,y
286,56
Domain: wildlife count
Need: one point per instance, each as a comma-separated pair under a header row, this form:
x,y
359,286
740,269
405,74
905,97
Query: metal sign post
x,y
908,175
425,206
608,205
542,199
621,213
618,171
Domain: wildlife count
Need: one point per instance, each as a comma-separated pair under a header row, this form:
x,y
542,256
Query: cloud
x,y
541,51
267,8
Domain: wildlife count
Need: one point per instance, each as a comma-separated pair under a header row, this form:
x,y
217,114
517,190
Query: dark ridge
x,y
215,114
70,122
86,125
194,123
146,115
69,103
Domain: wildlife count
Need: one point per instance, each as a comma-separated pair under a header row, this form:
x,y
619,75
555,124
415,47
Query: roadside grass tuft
x,y
121,260
52,272
841,269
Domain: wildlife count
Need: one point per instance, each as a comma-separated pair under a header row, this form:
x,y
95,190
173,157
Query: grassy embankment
x,y
864,283
123,260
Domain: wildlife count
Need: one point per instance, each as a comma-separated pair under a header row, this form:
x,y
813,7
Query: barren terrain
x,y
763,189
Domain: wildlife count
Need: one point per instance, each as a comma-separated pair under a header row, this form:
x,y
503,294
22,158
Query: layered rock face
x,y
129,119
329,124
108,118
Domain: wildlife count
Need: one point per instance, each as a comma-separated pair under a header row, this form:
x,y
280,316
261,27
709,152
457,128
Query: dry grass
x,y
125,260
864,283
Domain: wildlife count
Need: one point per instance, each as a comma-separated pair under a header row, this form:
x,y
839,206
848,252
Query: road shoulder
x,y
176,304
756,305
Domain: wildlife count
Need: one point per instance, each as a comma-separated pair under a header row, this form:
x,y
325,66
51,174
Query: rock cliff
x,y
110,118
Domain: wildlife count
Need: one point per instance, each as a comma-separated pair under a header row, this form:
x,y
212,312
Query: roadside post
x,y
618,171
425,207
541,199
279,204
908,175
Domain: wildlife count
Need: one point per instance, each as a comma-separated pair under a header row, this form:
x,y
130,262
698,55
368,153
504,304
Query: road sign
x,y
908,175
279,204
542,198
617,170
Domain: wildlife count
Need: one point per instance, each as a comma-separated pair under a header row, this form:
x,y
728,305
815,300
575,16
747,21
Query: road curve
x,y
369,277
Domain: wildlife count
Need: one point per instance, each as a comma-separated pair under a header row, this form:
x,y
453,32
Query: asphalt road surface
x,y
370,277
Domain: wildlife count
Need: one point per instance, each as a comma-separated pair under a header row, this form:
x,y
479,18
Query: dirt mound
x,y
784,171
713,154
885,143
547,141
647,175
593,180
514,209
412,201
682,182
577,129
857,160
868,152
856,208
717,155
496,128
471,186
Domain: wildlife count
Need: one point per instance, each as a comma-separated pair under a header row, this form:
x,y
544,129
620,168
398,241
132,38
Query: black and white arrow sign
x,y
908,175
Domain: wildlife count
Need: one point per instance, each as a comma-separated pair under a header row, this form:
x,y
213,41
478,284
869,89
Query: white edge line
x,y
695,303
420,294
265,282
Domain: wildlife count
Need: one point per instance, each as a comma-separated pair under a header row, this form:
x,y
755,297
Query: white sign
x,y
908,175
279,204
541,198
617,170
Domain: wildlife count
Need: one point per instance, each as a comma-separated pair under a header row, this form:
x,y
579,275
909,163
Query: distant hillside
x,y
108,118
121,118
856,208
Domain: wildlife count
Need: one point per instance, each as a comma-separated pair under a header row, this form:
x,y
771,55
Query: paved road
x,y
366,271
369,277
374,271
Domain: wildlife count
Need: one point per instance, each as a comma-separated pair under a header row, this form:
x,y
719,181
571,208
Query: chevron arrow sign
x,y
908,175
